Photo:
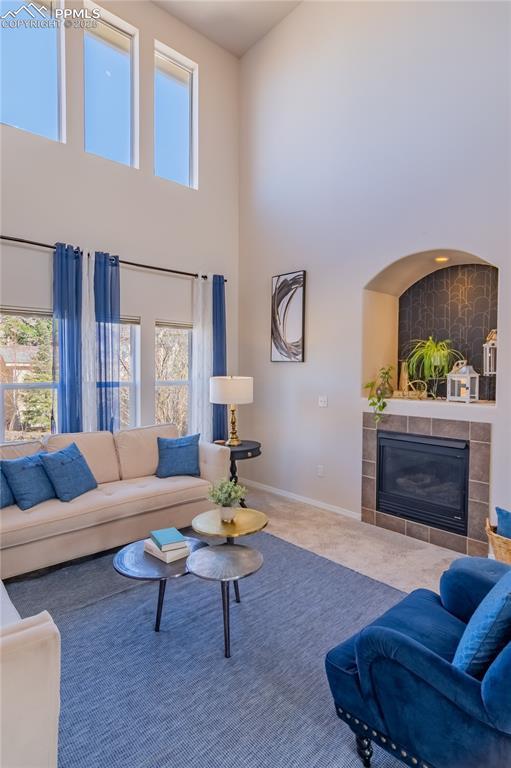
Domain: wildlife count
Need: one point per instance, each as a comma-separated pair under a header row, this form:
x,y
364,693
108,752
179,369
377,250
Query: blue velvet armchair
x,y
393,683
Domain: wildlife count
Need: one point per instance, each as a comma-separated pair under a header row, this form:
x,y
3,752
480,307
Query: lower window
x,y
173,346
28,391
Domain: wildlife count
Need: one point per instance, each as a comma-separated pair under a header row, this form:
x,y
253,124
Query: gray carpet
x,y
132,698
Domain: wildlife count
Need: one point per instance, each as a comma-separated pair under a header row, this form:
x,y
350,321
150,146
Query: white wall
x,y
53,191
369,131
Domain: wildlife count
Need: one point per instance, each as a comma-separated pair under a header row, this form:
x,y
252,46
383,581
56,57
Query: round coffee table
x,y
134,563
246,522
225,563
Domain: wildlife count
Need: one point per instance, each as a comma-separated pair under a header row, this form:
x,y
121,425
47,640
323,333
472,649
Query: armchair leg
x,y
364,750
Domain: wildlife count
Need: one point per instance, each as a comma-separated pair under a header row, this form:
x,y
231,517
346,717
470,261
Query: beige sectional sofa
x,y
29,688
128,502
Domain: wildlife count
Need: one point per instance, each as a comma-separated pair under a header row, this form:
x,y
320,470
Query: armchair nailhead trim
x,y
383,739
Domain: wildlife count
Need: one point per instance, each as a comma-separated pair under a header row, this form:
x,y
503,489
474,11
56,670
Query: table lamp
x,y
231,391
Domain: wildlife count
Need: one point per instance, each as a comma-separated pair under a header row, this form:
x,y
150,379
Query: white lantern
x,y
490,354
463,383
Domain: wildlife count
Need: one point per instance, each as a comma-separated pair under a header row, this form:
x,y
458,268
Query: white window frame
x,y
133,386
159,383
128,29
193,68
24,385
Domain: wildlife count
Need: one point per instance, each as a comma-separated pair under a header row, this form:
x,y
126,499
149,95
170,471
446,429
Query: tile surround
x,y
479,434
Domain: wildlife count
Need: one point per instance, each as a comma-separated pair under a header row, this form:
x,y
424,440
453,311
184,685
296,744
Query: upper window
x,y
109,92
173,346
27,385
30,68
173,116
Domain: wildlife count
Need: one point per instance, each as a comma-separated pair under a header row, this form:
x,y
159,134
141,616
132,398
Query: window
x,y
172,373
27,389
173,119
109,89
129,393
30,69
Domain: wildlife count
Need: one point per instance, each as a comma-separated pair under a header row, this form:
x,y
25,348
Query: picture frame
x,y
288,317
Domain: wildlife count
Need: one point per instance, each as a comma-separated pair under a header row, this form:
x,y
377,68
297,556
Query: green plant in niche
x,y
226,493
431,360
379,390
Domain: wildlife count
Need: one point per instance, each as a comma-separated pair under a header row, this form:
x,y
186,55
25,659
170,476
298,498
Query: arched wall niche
x,y
381,303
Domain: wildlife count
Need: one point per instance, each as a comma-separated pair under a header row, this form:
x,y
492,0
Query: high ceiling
x,y
234,24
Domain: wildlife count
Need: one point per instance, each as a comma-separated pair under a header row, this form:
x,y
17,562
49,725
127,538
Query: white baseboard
x,y
297,497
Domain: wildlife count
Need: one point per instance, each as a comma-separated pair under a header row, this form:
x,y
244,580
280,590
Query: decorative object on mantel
x,y
417,390
404,378
226,494
288,317
430,361
500,545
379,390
490,354
463,383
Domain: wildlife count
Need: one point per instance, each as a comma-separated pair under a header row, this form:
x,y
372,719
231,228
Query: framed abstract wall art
x,y
288,317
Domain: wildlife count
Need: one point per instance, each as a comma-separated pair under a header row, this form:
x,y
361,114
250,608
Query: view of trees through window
x,y
128,394
172,371
28,394
26,380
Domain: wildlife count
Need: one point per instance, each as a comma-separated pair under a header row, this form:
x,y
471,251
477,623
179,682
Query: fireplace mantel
x,y
482,410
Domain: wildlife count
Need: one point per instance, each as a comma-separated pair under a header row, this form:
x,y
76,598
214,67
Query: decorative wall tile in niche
x,y
457,303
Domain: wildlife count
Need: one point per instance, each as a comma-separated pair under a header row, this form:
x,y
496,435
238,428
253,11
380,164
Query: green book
x,y
168,538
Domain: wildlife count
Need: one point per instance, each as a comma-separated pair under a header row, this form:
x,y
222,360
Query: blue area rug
x,y
132,698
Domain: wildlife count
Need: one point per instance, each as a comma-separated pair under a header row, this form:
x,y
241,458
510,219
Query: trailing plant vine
x,y
379,390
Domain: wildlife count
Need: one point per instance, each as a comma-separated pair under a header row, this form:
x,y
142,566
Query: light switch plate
x,y
323,401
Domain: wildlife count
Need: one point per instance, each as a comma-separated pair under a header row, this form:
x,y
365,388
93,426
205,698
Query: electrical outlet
x,y
321,470
323,401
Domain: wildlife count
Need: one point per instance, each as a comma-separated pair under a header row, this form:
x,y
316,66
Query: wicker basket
x,y
501,545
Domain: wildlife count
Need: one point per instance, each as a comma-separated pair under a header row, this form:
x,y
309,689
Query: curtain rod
x,y
121,261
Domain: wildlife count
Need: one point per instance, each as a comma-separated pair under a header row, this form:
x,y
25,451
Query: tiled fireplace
x,y
442,434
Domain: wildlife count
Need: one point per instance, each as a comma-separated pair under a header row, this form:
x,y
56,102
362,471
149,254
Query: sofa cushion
x,y
28,481
69,472
98,449
6,497
17,450
419,615
8,613
110,501
487,632
138,449
178,456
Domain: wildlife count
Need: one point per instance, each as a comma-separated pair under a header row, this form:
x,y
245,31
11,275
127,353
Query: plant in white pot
x,y
227,495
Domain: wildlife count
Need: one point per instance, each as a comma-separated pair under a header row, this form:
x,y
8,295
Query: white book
x,y
167,557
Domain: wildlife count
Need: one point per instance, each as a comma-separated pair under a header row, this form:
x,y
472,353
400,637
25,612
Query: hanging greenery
x,y
430,361
379,390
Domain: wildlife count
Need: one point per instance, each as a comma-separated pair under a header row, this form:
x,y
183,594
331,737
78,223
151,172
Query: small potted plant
x,y
379,390
431,361
227,495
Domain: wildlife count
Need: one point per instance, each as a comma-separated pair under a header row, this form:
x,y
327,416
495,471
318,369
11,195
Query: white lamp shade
x,y
231,390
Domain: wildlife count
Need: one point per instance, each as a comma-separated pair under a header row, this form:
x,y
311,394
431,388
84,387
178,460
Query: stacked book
x,y
167,545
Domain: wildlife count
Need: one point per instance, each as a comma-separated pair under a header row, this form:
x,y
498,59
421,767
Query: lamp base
x,y
233,433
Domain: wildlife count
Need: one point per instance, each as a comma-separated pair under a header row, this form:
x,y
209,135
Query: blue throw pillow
x,y
6,497
504,522
29,483
69,472
179,456
487,632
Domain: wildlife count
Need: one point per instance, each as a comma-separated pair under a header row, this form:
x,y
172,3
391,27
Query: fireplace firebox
x,y
423,479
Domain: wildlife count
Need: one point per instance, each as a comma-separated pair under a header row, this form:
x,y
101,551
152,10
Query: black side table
x,y
247,449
